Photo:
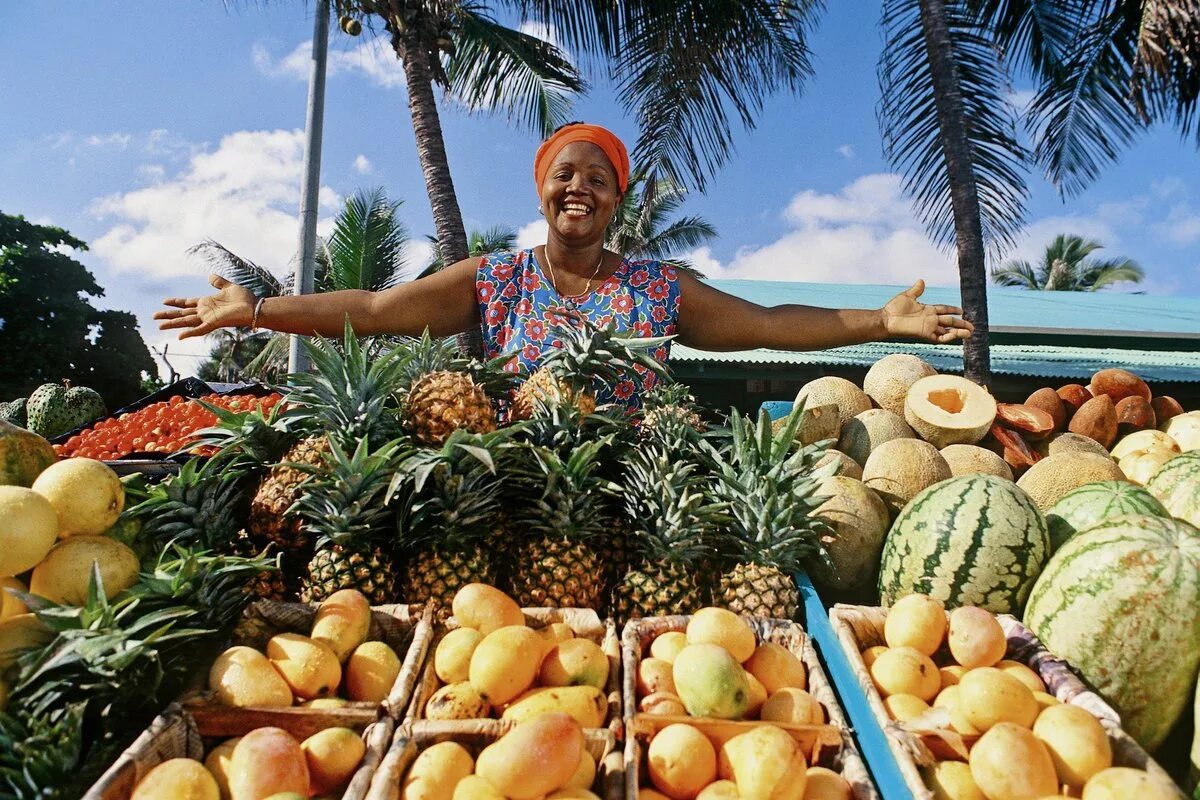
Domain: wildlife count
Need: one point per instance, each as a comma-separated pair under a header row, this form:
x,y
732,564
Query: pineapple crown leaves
x,y
41,755
565,496
425,355
770,488
248,440
669,504
349,395
587,352
197,507
346,497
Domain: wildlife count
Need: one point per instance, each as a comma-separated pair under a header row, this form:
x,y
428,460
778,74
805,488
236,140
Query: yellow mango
x,y
1009,763
10,604
457,701
916,621
719,790
265,762
505,663
950,699
777,668
1076,741
711,682
722,627
485,608
871,653
177,779
906,670
333,755
217,762
553,635
20,633
342,623
668,645
662,703
575,662
534,758
1022,673
654,675
474,787
1124,783
587,705
765,764
681,761
793,705
757,696
371,671
951,780
951,675
243,677
988,696
903,707
975,637
310,668
452,657
436,772
822,783
585,773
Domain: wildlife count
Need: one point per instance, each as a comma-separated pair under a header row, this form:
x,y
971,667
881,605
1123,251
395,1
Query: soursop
x,y
13,412
54,408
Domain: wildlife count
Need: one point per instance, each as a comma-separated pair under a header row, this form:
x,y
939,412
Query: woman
x,y
581,172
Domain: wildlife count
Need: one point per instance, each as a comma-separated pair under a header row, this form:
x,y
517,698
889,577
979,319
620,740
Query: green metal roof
x,y
1010,311
1034,360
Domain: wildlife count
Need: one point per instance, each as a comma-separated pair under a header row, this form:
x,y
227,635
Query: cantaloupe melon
x,y
859,522
898,470
818,423
847,466
1070,443
1054,476
947,409
831,390
970,459
889,379
870,429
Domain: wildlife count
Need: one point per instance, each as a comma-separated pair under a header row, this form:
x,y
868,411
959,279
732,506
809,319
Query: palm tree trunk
x,y
431,150
964,193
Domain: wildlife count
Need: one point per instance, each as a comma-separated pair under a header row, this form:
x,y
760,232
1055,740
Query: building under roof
x,y
1038,339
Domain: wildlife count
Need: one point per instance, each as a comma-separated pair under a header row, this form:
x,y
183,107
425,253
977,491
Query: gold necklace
x,y
587,287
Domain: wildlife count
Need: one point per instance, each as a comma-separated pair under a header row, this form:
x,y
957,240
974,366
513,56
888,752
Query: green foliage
x,y
640,226
47,313
495,239
1066,266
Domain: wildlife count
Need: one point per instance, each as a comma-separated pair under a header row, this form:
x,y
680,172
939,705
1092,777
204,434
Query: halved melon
x,y
848,398
947,409
1139,441
889,379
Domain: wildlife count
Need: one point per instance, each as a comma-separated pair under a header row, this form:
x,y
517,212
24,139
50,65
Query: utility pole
x,y
313,124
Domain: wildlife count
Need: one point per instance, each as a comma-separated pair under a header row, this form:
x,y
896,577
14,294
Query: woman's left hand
x,y
907,318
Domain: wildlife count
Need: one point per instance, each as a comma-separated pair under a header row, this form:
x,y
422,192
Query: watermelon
x,y
975,540
1177,485
1082,508
1121,603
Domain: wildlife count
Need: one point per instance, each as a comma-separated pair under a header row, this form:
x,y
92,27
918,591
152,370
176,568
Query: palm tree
x,y
479,243
365,250
948,128
234,351
1065,267
640,228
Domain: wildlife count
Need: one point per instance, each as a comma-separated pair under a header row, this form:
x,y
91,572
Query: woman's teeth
x,y
576,210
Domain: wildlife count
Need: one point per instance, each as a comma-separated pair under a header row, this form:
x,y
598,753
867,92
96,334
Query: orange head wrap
x,y
607,141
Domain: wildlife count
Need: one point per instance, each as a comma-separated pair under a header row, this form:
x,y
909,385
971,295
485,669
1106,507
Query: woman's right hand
x,y
231,307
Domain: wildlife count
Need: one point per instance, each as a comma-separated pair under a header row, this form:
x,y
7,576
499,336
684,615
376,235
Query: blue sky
x,y
145,127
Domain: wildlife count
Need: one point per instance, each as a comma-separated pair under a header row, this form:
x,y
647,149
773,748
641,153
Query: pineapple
x,y
344,509
557,563
196,508
586,354
672,518
451,518
669,405
442,396
770,489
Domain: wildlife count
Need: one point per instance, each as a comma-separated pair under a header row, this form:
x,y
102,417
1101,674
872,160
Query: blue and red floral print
x,y
518,308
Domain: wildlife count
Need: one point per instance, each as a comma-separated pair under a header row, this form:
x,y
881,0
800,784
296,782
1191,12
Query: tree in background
x,y
49,330
496,239
235,350
641,229
1066,267
365,250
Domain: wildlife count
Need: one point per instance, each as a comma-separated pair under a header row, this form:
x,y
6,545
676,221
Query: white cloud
x,y
1182,225
1037,235
373,59
245,194
846,151
362,165
532,234
418,253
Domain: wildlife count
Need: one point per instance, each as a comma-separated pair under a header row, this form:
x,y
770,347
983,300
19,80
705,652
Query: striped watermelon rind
x,y
1092,503
1121,603
1177,486
973,540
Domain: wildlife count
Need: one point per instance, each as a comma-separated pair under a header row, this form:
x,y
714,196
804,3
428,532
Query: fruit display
x,y
23,455
496,662
55,408
343,654
983,725
164,427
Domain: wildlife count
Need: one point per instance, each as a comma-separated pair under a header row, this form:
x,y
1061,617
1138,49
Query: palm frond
x,y
1034,35
1102,274
1016,273
242,271
913,132
493,240
494,67
271,361
686,233
1166,74
366,249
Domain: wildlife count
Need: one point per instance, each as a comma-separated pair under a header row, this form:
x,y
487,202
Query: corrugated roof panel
x,y
1037,361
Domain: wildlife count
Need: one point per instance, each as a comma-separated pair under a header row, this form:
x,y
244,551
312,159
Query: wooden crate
x,y
584,622
177,733
413,737
396,625
829,745
860,627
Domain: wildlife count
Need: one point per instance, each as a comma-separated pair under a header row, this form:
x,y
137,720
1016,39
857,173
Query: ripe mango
x,y
242,676
975,637
654,675
457,701
553,635
474,787
793,705
719,790
452,657
505,663
587,705
777,668
916,621
765,764
86,494
584,774
177,779
534,758
436,771
19,633
217,762
575,662
1022,673
1009,762
310,668
757,696
662,703
332,755
722,627
371,671
343,622
668,645
485,608
906,670
1078,745
267,761
710,682
823,783
988,696
10,604
65,574
681,761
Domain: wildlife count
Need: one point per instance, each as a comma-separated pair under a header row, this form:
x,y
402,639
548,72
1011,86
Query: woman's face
x,y
580,193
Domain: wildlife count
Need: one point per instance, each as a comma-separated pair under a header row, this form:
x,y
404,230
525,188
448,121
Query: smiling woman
x,y
581,173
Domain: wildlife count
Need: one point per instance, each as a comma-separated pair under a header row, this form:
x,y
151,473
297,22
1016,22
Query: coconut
x,y
970,459
947,409
870,429
830,390
889,379
1053,476
859,522
898,470
847,466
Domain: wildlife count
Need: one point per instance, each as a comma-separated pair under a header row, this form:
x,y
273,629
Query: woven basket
x,y
860,627
413,737
829,745
179,734
408,635
583,622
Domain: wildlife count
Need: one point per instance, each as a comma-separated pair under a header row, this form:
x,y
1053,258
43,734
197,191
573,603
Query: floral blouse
x,y
517,305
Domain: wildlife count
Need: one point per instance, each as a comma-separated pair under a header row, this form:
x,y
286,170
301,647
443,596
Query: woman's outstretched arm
x,y
710,319
443,302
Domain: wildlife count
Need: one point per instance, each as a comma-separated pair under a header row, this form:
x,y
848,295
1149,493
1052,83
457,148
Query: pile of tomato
x,y
164,427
